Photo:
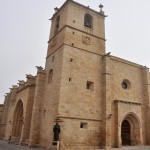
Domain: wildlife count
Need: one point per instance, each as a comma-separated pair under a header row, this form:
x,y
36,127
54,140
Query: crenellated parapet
x,y
7,97
14,88
40,69
21,84
29,82
13,92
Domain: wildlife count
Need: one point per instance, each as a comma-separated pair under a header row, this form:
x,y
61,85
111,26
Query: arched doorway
x,y
125,133
17,121
130,130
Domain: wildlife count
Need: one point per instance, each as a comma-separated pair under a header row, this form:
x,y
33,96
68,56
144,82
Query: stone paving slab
x,y
129,148
5,146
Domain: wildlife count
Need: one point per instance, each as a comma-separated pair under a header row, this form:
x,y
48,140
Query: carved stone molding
x,y
127,102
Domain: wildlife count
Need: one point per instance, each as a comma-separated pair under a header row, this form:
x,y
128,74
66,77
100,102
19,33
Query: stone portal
x,y
130,130
17,121
125,133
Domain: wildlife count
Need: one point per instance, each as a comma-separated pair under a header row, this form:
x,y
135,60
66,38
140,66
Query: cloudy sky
x,y
24,32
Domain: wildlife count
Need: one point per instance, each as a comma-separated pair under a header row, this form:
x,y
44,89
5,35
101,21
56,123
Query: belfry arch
x,y
130,130
17,120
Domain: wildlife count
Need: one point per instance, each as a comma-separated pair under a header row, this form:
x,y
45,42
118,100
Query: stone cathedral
x,y
98,100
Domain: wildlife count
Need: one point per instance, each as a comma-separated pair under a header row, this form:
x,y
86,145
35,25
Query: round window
x,y
124,85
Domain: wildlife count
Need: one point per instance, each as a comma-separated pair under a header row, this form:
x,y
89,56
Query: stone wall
x,y
90,93
5,114
51,97
1,111
25,94
79,105
135,77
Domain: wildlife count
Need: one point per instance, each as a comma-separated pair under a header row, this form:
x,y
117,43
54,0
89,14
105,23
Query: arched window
x,y
50,76
57,24
88,21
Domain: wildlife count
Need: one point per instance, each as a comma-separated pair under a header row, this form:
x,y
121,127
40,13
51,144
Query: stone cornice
x,y
67,26
80,118
55,50
64,44
127,102
126,62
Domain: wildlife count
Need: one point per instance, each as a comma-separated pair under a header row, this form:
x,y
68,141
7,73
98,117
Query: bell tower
x,y
77,26
74,72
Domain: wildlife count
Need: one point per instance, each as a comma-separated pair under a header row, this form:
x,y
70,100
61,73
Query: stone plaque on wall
x,y
86,40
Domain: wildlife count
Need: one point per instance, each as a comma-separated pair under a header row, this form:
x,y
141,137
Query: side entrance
x,y
130,130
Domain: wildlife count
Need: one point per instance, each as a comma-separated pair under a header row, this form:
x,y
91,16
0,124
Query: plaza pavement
x,y
130,148
5,146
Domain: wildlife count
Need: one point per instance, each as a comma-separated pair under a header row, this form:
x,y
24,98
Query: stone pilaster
x,y
146,105
118,142
36,112
4,117
30,84
107,114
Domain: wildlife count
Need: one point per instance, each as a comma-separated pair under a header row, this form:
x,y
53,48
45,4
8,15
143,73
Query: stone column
x,y
106,102
36,112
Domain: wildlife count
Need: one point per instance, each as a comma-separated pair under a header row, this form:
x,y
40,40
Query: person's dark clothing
x,y
9,139
56,130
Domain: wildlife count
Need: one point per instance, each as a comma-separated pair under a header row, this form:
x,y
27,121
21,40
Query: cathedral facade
x,y
98,100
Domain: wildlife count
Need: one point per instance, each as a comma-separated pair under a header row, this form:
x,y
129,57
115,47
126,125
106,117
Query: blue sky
x,y
24,32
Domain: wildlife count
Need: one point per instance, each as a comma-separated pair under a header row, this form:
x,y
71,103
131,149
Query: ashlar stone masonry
x,y
99,100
